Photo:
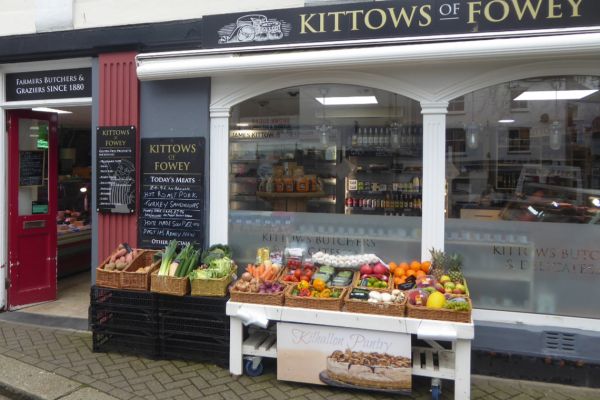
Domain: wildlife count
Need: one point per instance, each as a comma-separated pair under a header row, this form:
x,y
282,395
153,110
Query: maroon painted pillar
x,y
119,106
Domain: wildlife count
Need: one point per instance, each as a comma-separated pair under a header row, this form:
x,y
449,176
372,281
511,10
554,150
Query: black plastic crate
x,y
203,326
134,300
123,320
118,342
195,348
193,305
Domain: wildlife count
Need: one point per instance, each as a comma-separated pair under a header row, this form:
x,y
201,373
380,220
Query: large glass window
x,y
523,197
334,168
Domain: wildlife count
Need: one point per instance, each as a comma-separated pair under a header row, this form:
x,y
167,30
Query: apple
x,y
449,285
444,279
461,287
448,291
458,291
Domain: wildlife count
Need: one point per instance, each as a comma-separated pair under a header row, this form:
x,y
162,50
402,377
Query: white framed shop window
x,y
485,63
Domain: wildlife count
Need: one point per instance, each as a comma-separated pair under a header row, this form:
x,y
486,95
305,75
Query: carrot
x,y
261,270
250,269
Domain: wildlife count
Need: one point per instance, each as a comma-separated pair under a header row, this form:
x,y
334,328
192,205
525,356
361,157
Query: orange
x,y
415,265
410,272
420,273
392,266
404,265
397,281
399,272
426,266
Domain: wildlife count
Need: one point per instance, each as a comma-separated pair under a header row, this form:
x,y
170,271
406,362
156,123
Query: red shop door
x,y
32,182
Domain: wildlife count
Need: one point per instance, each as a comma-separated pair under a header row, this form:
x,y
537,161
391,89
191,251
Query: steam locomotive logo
x,y
254,28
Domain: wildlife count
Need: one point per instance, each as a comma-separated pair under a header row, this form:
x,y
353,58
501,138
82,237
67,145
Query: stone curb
x,y
28,382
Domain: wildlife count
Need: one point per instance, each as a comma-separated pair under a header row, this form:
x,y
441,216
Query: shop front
x,y
478,136
48,114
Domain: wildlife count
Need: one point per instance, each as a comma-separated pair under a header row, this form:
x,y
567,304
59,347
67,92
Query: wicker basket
x,y
441,314
169,284
314,302
272,299
356,283
211,287
364,307
132,280
108,279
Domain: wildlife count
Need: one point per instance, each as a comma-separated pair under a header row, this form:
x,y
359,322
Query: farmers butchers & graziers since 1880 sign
x,y
47,85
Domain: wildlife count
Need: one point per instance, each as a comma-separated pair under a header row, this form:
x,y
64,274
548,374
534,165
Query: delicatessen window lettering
x,y
531,158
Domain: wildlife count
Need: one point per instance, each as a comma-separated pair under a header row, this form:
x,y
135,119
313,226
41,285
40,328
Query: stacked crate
x,y
194,328
124,321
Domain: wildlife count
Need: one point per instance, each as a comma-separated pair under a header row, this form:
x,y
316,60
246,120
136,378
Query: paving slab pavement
x,y
44,363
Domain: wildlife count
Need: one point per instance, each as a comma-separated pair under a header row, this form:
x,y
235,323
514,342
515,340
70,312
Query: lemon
x,y
436,300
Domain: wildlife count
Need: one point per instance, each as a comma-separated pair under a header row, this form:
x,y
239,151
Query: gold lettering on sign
x,y
552,7
402,15
473,11
527,6
354,14
336,19
575,7
425,12
305,24
505,10
382,17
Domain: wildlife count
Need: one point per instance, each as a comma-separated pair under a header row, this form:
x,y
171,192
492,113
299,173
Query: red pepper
x,y
305,293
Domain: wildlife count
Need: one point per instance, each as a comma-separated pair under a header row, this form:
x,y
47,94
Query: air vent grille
x,y
559,342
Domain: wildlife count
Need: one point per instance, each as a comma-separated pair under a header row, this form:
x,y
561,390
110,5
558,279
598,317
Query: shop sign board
x,y
116,166
344,357
49,85
31,167
172,196
392,21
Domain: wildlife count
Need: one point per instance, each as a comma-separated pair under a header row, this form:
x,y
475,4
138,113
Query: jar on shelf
x,y
288,184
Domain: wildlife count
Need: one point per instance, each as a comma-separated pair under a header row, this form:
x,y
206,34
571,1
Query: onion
x,y
247,276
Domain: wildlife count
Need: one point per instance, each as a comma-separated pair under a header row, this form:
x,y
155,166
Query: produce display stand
x,y
436,361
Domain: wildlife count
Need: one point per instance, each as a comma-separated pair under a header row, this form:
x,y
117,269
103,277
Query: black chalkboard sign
x,y
115,163
31,168
172,197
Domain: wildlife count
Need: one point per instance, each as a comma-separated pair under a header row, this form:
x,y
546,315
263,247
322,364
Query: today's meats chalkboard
x,y
172,192
115,162
31,168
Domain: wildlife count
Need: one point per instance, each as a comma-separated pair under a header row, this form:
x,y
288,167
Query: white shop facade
x,y
480,138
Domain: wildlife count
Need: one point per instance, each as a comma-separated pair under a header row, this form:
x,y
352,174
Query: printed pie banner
x,y
344,357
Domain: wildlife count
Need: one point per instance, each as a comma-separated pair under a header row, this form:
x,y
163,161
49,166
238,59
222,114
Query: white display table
x,y
434,361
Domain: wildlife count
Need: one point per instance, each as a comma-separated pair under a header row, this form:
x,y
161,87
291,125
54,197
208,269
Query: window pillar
x,y
219,176
434,176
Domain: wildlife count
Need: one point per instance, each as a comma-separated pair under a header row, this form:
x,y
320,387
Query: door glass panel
x,y
33,166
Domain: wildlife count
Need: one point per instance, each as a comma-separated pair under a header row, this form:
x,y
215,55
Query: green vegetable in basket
x,y
216,252
216,269
167,259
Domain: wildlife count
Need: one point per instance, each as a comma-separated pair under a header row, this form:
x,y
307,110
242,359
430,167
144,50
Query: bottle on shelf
x,y
355,134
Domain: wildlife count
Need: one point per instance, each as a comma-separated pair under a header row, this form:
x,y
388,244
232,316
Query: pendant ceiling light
x,y
472,128
556,126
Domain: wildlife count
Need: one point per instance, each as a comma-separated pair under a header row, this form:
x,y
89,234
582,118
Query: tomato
x,y
297,273
308,272
305,278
